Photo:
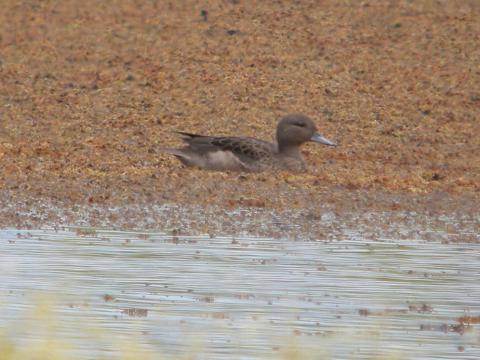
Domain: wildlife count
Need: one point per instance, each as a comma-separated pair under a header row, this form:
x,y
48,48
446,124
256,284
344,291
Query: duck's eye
x,y
300,124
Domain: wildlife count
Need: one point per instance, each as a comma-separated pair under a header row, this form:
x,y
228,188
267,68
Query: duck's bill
x,y
321,140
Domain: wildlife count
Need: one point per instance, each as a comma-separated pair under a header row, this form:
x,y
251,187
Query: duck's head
x,y
296,129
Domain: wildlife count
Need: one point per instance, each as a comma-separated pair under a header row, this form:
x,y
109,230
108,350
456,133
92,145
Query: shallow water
x,y
242,298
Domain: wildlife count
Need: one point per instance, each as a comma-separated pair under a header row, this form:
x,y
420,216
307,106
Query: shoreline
x,y
371,215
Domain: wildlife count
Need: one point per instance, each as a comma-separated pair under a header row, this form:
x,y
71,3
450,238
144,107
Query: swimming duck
x,y
249,154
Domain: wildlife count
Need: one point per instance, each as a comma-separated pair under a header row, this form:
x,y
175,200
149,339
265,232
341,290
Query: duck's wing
x,y
245,148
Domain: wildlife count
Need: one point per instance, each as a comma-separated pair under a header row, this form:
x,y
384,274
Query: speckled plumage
x,y
249,154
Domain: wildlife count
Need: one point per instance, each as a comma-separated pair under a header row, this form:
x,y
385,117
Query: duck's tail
x,y
185,156
171,151
187,136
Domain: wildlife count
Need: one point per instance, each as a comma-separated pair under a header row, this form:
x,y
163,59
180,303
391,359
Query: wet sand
x,y
89,93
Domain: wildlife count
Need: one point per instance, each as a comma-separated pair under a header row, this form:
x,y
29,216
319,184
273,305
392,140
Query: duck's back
x,y
228,153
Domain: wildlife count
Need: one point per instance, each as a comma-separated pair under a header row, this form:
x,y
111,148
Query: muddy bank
x,y
330,216
89,93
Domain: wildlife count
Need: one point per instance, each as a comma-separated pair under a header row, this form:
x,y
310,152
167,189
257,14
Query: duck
x,y
247,154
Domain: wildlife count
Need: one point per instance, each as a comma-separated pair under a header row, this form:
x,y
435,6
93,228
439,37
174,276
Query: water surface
x,y
239,297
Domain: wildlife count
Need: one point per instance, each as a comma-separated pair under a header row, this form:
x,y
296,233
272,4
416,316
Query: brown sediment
x,y
89,94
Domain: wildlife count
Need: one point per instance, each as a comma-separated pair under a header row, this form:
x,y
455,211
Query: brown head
x,y
295,129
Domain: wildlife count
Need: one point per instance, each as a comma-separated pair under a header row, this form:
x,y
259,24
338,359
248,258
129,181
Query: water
x,y
238,297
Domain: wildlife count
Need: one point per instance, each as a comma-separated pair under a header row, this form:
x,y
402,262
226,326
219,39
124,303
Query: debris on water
x,y
244,296
468,320
108,298
460,328
219,315
135,312
424,308
85,232
207,299
363,312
